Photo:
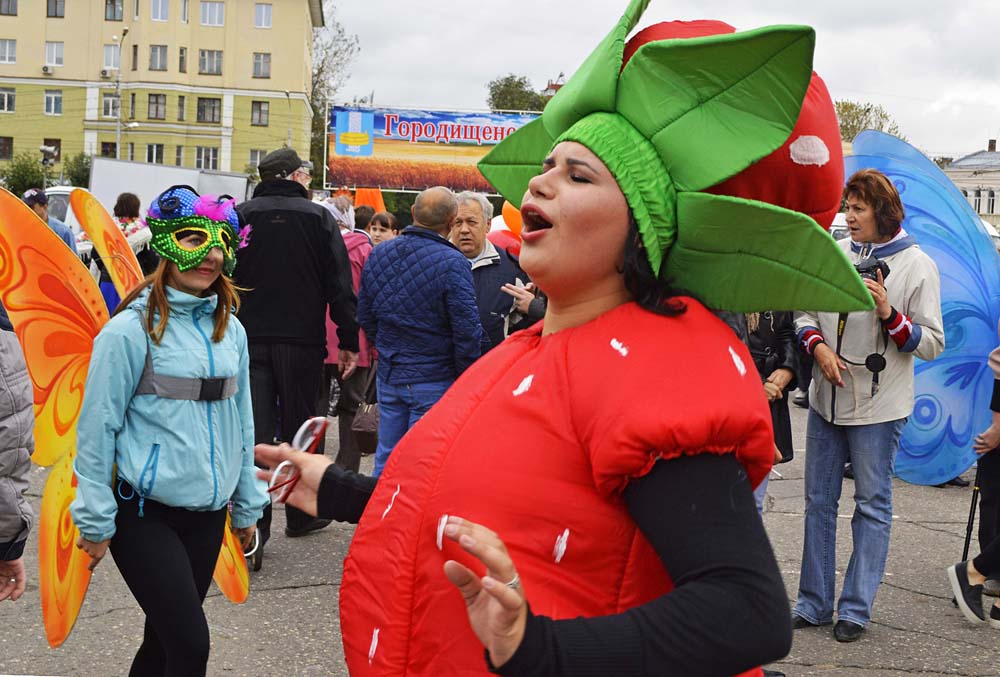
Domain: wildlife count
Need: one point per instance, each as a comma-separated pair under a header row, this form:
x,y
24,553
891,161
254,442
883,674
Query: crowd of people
x,y
618,529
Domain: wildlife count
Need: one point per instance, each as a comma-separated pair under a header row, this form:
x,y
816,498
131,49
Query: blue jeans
x,y
871,449
399,408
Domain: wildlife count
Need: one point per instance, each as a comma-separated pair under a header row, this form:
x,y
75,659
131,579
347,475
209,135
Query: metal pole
x,y
118,97
288,136
972,516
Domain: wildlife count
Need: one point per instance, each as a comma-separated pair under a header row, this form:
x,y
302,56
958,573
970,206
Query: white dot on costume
x,y
524,385
619,347
560,549
742,368
809,150
371,650
440,532
391,502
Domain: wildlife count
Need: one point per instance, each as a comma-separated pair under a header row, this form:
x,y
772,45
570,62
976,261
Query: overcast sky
x,y
935,66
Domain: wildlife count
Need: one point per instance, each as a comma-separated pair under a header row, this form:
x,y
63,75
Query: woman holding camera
x,y
860,398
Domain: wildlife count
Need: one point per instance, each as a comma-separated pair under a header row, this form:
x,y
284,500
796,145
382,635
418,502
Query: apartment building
x,y
212,84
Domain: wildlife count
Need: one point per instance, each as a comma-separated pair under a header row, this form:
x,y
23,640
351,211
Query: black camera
x,y
869,265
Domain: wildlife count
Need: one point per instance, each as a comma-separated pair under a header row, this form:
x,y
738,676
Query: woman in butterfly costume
x,y
599,465
165,436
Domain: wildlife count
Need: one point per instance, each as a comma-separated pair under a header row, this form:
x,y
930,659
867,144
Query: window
x,y
157,57
262,15
261,65
7,100
154,153
57,9
113,10
182,59
53,54
131,105
6,147
135,57
157,109
109,105
184,11
57,144
991,202
256,156
210,61
977,201
259,113
212,13
8,51
209,109
53,102
181,105
112,56
109,149
131,151
135,9
206,158
179,156
160,11
8,7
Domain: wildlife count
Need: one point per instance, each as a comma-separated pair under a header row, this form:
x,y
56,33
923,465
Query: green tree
x,y
513,92
24,171
333,50
943,161
856,116
77,170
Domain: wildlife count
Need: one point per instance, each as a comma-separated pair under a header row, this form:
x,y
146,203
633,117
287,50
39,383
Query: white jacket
x,y
914,289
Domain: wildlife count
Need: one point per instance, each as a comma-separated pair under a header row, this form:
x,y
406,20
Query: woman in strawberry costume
x,y
599,465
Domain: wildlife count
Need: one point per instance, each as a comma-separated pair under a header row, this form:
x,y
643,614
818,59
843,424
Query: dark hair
x,y
362,216
127,206
651,292
875,188
386,220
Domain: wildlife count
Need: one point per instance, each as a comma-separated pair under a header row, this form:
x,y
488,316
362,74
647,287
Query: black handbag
x,y
365,423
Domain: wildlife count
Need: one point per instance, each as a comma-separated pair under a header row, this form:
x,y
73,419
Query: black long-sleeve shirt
x,y
727,613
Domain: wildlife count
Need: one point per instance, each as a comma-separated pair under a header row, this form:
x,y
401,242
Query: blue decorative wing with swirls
x,y
952,392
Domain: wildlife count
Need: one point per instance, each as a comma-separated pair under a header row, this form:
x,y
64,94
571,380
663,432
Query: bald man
x,y
417,304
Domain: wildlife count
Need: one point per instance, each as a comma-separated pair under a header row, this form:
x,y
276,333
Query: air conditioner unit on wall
x,y
47,70
105,73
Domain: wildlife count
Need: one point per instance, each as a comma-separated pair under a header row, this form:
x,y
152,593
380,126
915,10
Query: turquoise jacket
x,y
184,453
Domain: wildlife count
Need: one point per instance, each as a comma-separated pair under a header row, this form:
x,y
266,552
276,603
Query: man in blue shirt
x,y
39,203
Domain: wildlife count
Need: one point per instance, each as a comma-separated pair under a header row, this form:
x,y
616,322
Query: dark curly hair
x,y
127,206
875,188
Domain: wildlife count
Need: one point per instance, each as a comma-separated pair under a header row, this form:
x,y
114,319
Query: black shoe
x,y
801,400
798,623
968,596
314,525
954,482
848,472
847,631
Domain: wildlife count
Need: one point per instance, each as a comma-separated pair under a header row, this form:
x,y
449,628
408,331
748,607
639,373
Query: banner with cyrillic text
x,y
407,149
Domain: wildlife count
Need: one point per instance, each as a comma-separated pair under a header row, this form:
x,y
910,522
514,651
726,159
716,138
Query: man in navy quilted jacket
x,y
417,305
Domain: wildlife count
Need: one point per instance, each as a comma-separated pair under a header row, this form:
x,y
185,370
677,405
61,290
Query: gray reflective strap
x,y
180,388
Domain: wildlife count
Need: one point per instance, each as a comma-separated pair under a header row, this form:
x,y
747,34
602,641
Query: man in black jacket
x,y
293,266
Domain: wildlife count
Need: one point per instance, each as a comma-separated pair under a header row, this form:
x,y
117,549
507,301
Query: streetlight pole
x,y
288,136
118,97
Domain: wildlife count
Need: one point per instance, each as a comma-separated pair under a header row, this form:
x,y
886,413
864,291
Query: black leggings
x,y
167,558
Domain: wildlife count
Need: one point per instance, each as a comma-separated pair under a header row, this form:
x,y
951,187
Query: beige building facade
x,y
195,83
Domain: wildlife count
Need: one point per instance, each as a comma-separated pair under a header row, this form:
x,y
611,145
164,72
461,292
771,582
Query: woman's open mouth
x,y
534,219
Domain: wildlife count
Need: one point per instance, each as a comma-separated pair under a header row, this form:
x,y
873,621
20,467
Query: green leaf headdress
x,y
682,116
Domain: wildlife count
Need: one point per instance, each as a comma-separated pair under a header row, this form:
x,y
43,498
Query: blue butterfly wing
x,y
952,393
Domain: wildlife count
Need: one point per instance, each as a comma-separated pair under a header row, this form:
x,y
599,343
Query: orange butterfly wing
x,y
231,573
108,239
57,310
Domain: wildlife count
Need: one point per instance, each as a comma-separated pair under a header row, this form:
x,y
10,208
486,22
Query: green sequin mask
x,y
168,233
